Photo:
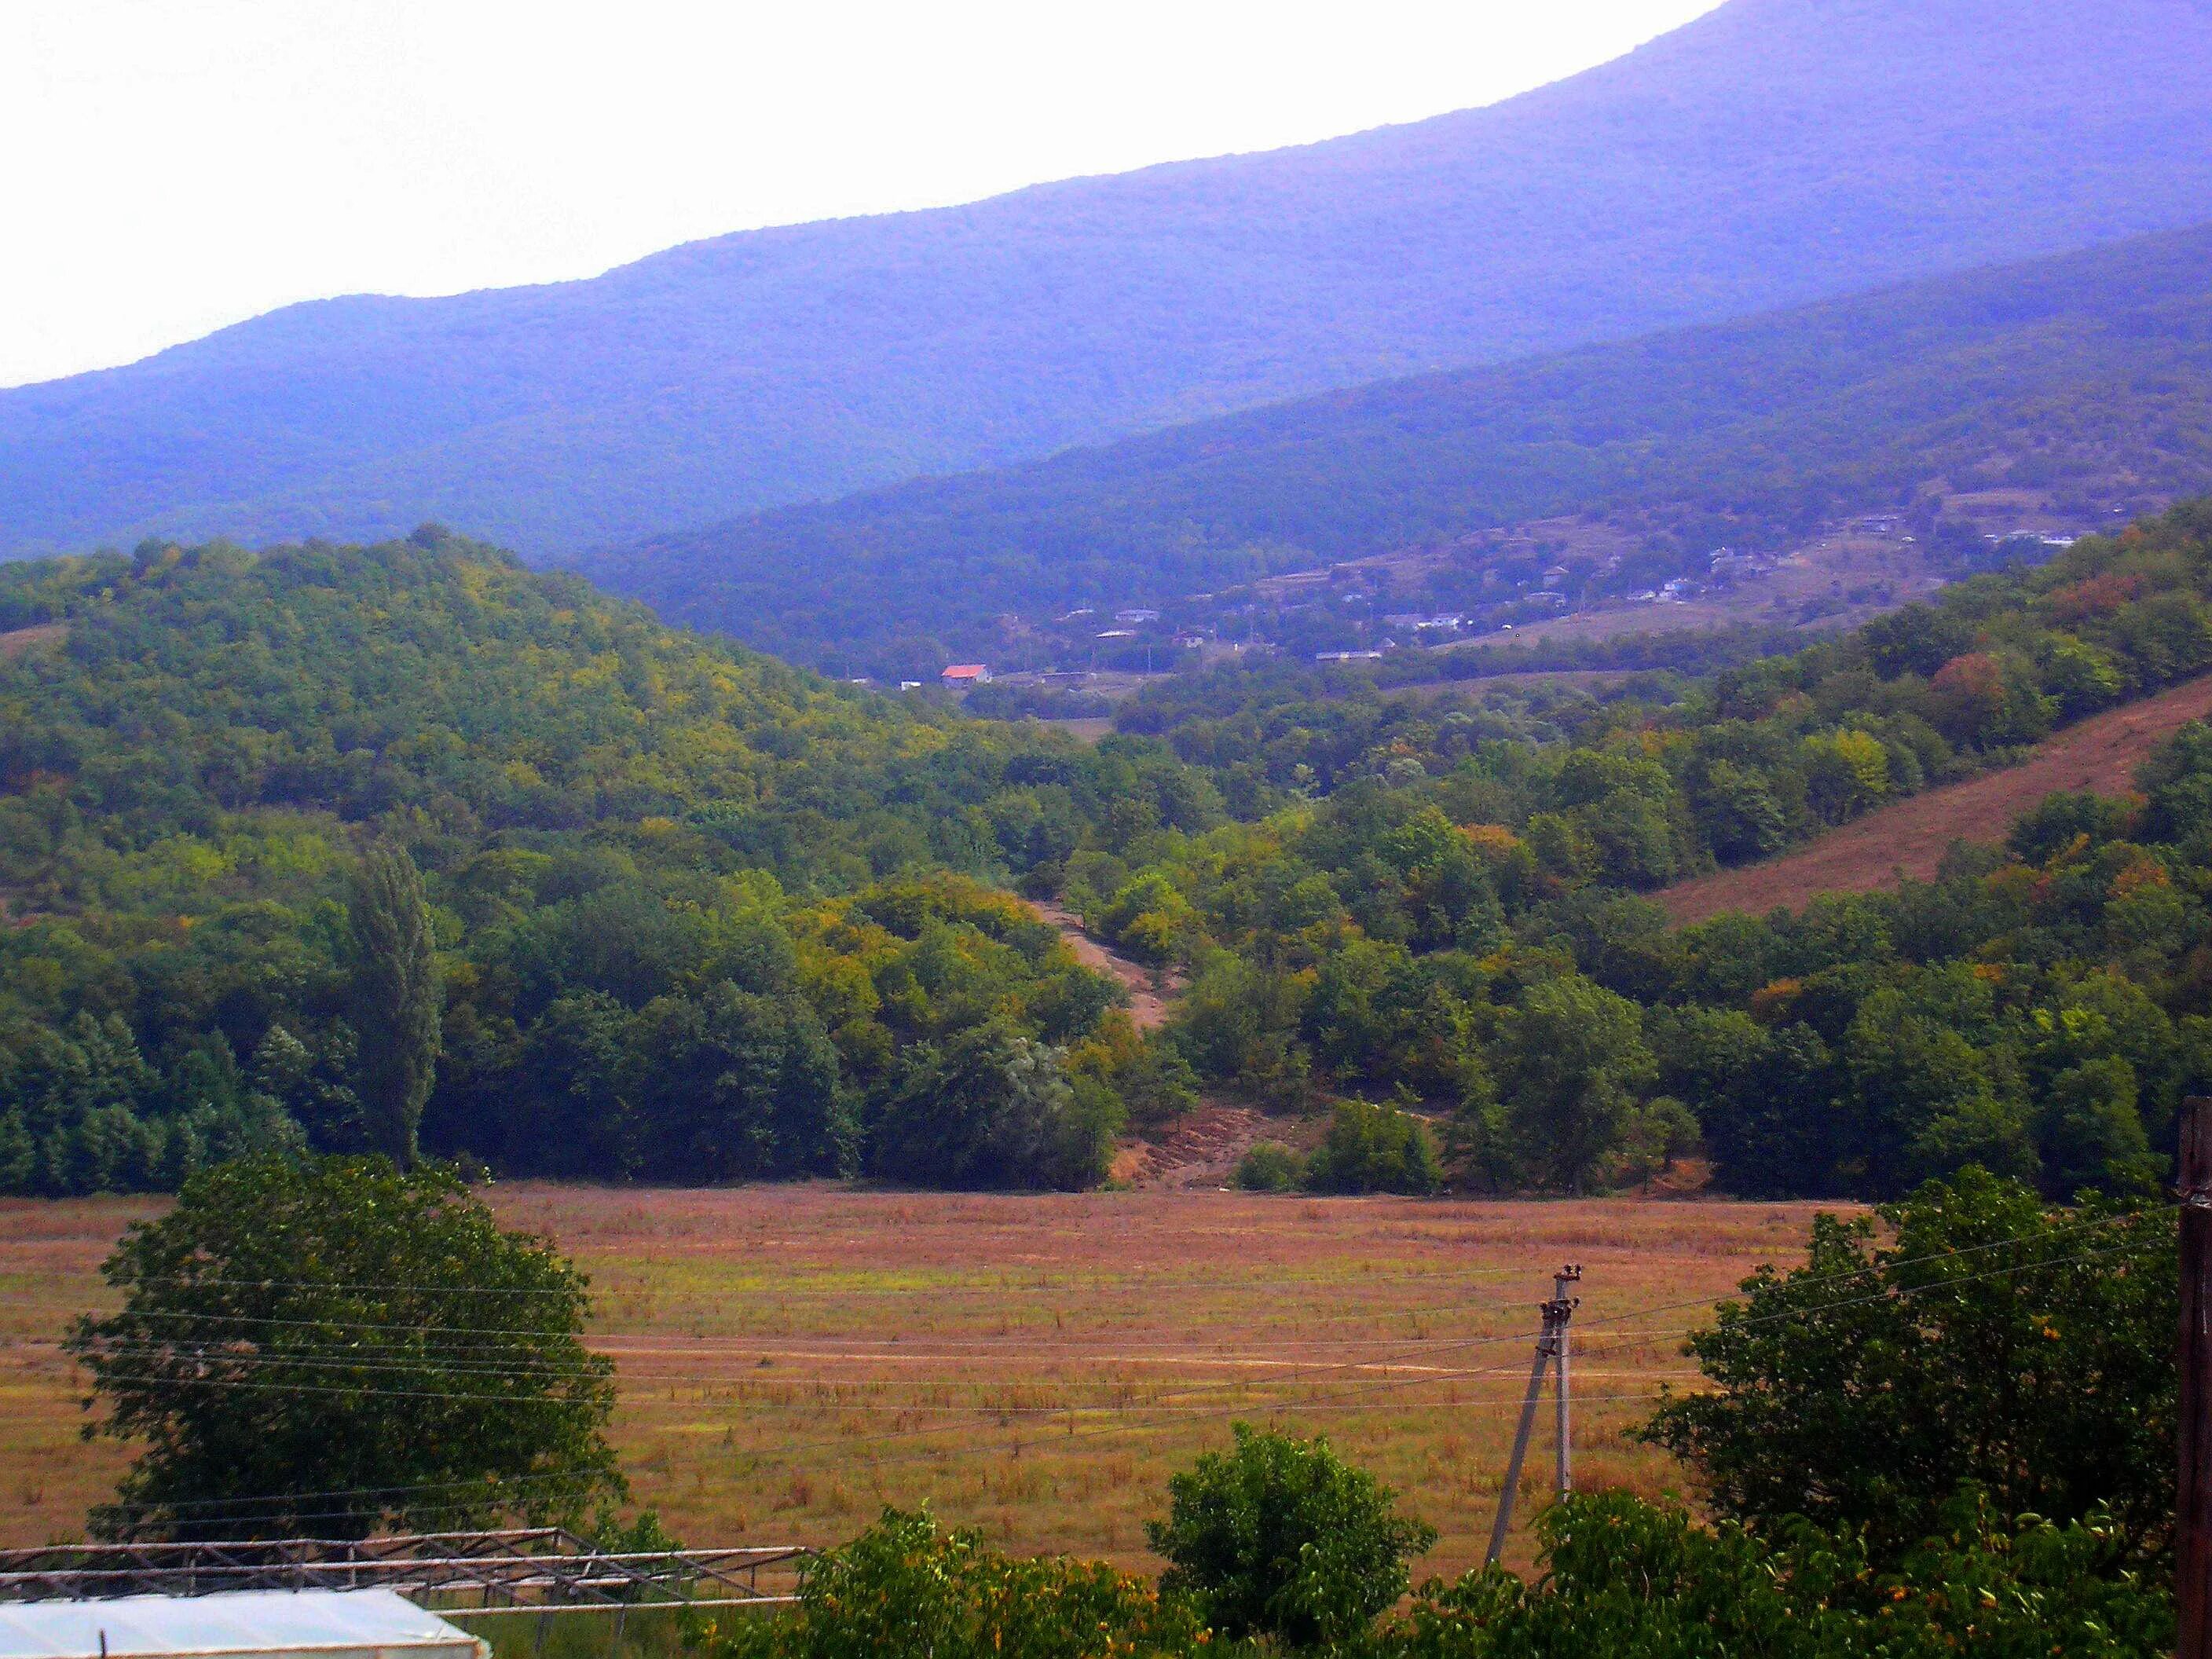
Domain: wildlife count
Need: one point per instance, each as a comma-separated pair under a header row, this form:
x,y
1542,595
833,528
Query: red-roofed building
x,y
962,675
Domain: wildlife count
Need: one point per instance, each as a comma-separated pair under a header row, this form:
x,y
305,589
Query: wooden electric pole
x,y
1564,1461
1551,1349
2192,1509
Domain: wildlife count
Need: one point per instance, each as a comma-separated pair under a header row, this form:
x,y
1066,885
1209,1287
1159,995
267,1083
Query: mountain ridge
x,y
1772,152
2088,373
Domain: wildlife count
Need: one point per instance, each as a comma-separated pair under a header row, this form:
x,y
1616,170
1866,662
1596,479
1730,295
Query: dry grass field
x,y
792,1358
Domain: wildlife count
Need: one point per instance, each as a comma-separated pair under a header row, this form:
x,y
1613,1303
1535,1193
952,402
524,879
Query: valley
x,y
1012,897
2052,397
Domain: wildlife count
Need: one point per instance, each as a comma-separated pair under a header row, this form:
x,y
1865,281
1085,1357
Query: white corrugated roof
x,y
260,1622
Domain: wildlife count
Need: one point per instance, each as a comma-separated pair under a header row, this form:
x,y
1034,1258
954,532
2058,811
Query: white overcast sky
x,y
172,166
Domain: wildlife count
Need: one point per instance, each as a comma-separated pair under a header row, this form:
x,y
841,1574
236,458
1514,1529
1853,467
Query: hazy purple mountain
x,y
1776,151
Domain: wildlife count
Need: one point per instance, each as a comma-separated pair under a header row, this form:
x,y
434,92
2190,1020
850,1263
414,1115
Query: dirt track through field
x,y
1910,838
790,1358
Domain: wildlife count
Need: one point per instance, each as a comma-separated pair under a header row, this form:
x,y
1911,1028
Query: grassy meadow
x,y
793,1358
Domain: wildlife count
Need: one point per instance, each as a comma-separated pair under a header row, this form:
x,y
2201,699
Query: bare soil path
x,y
1149,989
1910,838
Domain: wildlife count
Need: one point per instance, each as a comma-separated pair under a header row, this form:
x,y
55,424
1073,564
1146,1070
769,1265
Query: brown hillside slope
x,y
16,641
1910,838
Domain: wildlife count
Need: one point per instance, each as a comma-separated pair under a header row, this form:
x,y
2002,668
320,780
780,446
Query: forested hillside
x,y
698,914
1437,908
2086,378
1774,152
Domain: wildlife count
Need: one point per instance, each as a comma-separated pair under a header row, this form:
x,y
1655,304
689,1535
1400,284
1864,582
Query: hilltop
x,y
700,915
2062,388
1772,153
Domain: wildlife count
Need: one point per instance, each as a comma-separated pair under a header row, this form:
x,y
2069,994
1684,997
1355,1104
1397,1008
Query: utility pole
x,y
1566,1306
1551,1347
2192,1509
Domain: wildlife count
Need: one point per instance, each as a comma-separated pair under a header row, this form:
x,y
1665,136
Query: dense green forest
x,y
1422,903
2086,378
698,914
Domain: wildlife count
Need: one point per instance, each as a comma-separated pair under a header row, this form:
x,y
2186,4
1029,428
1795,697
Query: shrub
x,y
903,1589
1631,1580
1374,1149
1270,1167
1282,1537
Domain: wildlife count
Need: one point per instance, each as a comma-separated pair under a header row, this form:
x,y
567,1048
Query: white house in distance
x,y
961,676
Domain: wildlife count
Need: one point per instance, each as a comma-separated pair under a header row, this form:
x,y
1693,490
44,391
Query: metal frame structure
x,y
534,1570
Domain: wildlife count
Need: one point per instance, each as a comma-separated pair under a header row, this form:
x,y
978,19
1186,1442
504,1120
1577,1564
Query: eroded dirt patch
x,y
1910,838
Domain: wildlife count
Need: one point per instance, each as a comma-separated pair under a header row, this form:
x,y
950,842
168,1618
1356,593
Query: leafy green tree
x,y
1153,1082
1631,1580
2028,1350
1239,1021
1742,818
319,1346
18,1154
1374,1149
735,1086
1283,1537
1570,1069
2092,1131
1268,1166
571,1113
991,1108
397,997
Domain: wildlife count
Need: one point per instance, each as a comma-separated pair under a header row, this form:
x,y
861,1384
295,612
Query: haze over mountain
x,y
2082,380
1775,151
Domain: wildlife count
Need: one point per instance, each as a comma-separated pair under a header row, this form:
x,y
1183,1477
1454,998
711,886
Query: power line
x,y
336,1323
396,1360
1149,1287
1426,1349
1158,1405
1459,1344
1190,1414
1463,1344
1132,1286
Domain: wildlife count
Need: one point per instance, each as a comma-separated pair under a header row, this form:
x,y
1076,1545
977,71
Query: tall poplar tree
x,y
395,998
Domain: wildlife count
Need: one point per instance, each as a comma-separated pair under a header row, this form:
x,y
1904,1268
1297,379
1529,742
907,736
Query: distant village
x,y
1510,582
